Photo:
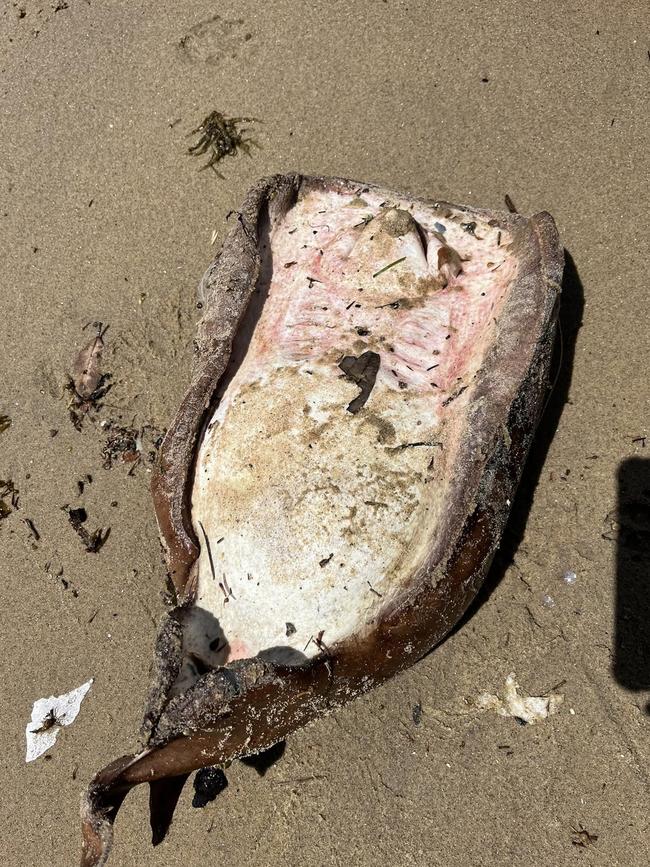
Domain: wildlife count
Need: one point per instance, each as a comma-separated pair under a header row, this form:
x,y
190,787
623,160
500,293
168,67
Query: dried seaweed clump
x,y
221,136
128,445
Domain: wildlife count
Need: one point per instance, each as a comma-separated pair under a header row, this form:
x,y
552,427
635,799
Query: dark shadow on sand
x,y
629,526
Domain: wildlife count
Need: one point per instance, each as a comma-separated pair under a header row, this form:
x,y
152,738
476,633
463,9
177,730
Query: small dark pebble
x,y
290,630
417,713
208,783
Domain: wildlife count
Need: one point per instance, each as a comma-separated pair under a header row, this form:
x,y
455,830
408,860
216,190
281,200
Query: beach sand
x,y
104,218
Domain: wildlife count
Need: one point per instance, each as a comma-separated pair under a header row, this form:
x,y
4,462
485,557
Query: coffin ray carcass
x,y
370,368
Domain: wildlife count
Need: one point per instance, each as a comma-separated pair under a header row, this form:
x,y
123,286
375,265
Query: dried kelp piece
x,y
86,372
9,497
88,384
128,445
316,552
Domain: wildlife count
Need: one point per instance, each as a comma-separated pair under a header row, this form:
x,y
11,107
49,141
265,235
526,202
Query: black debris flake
x,y
417,713
208,783
361,370
93,540
583,838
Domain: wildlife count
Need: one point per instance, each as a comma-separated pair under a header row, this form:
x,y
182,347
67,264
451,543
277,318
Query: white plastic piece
x,y
48,716
569,577
528,709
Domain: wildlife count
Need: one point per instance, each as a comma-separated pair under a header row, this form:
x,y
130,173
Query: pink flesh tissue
x,y
313,511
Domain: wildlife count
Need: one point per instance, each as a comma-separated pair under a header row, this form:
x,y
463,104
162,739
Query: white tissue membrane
x,y
312,510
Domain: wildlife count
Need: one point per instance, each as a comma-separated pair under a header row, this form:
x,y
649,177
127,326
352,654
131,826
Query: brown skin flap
x,y
249,705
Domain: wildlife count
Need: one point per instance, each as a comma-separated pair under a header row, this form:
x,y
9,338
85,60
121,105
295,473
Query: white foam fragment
x,y
48,716
529,709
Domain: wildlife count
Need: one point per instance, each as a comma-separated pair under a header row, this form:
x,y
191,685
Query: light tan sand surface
x,y
104,218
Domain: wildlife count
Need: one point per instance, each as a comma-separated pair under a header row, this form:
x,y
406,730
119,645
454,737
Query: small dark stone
x,y
417,713
291,629
208,783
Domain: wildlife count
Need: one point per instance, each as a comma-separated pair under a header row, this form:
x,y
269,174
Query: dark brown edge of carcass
x,y
250,705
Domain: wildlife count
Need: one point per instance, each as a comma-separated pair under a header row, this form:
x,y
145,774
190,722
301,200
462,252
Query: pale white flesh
x,y
316,516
